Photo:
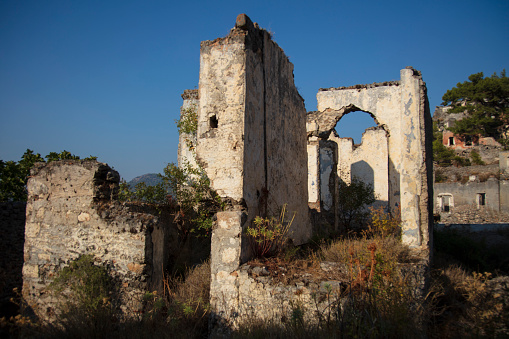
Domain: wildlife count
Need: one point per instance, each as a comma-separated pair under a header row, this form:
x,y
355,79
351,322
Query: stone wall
x,y
252,145
265,294
72,211
473,201
12,228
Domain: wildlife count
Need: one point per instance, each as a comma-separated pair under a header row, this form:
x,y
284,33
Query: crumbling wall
x,y
368,162
71,211
265,294
251,125
401,109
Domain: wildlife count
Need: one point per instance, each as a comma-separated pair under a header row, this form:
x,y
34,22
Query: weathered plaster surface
x,y
222,98
368,162
401,109
257,154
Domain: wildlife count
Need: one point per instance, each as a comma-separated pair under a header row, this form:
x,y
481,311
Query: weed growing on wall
x,y
188,125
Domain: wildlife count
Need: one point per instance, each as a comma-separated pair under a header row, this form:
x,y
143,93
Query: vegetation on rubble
x,y
181,311
14,175
269,236
486,102
374,300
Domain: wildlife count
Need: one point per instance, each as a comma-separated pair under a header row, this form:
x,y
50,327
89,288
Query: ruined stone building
x,y
261,150
479,194
474,194
483,144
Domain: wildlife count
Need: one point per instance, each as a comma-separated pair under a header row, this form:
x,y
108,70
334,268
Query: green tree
x,y
14,175
484,100
353,201
442,155
65,155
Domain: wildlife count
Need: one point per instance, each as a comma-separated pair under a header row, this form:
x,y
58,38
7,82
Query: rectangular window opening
x,y
451,141
481,199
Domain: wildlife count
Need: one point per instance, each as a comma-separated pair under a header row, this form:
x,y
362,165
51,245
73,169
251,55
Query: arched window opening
x,y
354,124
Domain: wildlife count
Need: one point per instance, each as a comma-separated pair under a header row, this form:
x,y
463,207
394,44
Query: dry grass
x,y
389,248
182,312
463,304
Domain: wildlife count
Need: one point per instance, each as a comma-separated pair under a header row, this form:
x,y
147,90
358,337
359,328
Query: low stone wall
x,y
471,214
12,228
72,211
262,294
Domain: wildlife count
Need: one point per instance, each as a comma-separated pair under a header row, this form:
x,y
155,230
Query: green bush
x,y
476,158
90,285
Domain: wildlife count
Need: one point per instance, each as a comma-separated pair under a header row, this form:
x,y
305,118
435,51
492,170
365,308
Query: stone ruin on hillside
x,y
261,150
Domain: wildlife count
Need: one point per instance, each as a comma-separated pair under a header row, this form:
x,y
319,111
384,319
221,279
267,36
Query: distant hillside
x,y
150,179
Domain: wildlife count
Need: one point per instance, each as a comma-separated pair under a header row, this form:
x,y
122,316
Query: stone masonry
x,y
252,125
72,211
252,145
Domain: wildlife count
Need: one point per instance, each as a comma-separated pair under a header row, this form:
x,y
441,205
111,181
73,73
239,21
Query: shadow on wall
x,y
394,187
362,171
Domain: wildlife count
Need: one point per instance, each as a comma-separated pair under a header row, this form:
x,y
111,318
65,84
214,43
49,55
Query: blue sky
x,y
104,77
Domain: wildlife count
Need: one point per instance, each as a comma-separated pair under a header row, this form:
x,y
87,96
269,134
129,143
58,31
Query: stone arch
x,y
364,160
401,109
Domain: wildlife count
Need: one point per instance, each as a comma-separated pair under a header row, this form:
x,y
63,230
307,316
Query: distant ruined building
x,y
478,194
446,120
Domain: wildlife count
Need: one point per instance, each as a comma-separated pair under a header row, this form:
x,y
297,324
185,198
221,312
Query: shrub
x,y
268,236
353,199
460,161
476,158
440,176
385,224
90,286
185,188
